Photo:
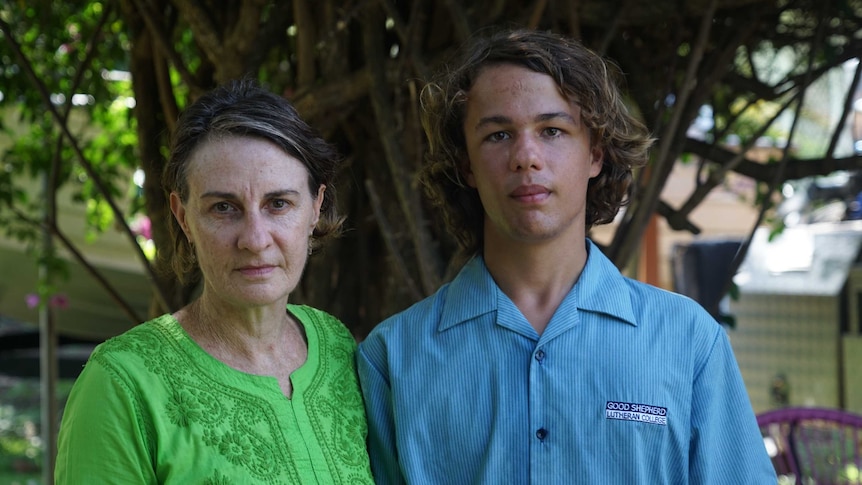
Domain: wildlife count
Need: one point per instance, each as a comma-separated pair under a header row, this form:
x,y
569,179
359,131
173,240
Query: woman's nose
x,y
254,234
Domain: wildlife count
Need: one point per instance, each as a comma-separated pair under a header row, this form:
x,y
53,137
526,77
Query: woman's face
x,y
250,216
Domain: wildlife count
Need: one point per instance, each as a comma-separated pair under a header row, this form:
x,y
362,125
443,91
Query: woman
x,y
231,388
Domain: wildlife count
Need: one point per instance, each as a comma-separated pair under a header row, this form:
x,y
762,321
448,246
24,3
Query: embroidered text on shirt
x,y
629,411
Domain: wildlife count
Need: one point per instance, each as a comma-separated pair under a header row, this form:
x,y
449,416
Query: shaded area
x,y
19,351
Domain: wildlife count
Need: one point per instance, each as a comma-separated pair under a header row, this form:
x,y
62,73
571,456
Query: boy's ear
x,y
597,160
466,172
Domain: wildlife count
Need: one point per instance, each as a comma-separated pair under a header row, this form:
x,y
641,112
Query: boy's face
x,y
529,157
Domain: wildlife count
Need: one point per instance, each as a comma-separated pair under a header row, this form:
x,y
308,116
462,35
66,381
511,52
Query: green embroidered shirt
x,y
151,406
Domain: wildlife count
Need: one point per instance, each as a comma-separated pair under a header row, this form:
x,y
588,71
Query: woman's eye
x,y
279,203
222,207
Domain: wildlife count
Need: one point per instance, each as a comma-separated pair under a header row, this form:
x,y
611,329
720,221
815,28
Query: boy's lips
x,y
529,192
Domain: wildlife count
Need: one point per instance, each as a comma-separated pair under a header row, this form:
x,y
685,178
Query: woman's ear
x,y
179,211
318,203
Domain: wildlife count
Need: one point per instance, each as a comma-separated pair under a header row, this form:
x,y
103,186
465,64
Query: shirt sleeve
x,y
101,439
726,445
381,420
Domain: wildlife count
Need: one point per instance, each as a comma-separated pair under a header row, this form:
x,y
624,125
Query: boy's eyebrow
x,y
493,120
558,115
502,120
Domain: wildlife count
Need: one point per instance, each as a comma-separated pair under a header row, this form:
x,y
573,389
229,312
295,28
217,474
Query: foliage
x,y
353,70
20,424
91,89
39,161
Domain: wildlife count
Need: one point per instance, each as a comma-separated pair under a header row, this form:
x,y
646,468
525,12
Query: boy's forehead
x,y
565,91
498,82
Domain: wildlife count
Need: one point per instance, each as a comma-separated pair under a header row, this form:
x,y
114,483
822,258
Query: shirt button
x,y
540,355
541,433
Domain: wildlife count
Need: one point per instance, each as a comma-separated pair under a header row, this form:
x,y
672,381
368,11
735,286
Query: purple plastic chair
x,y
814,445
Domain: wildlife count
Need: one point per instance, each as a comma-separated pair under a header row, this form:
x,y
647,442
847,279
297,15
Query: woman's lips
x,y
262,270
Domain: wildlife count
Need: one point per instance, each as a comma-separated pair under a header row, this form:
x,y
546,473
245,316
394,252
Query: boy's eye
x,y
498,136
552,131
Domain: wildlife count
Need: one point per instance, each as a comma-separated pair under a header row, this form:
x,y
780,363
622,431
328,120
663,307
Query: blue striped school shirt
x,y
628,384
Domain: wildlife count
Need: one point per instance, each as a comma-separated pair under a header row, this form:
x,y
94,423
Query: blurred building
x,y
797,334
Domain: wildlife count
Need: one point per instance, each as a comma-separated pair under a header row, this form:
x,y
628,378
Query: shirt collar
x,y
472,293
601,288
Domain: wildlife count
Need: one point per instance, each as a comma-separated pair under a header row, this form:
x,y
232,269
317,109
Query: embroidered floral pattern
x,y
183,409
243,426
235,447
336,400
217,479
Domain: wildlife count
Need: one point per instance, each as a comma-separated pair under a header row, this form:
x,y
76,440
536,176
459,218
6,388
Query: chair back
x,y
814,445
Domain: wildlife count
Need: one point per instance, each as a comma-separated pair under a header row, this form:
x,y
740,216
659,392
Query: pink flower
x,y
32,300
60,301
142,226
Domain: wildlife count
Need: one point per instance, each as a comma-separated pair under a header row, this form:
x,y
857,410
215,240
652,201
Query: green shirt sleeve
x,y
102,438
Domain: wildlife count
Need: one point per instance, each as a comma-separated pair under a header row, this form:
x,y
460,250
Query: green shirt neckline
x,y
300,378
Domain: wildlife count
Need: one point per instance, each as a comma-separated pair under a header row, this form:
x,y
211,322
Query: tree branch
x,y
305,41
314,102
389,239
205,32
383,111
459,20
622,247
241,37
164,46
82,159
51,227
845,112
763,172
536,16
614,28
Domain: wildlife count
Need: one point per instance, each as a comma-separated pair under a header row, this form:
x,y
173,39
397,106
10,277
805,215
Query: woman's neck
x,y
265,343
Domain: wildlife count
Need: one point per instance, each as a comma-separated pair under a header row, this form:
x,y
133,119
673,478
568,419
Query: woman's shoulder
x,y
141,331
143,339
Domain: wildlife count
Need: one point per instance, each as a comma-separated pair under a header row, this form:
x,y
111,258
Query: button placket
x,y
540,355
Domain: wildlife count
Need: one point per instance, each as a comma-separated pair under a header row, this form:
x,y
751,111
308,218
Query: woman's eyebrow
x,y
230,195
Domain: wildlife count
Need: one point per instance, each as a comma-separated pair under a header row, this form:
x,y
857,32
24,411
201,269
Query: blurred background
x,y
750,205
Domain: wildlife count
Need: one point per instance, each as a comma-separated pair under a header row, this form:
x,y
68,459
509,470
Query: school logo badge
x,y
629,411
